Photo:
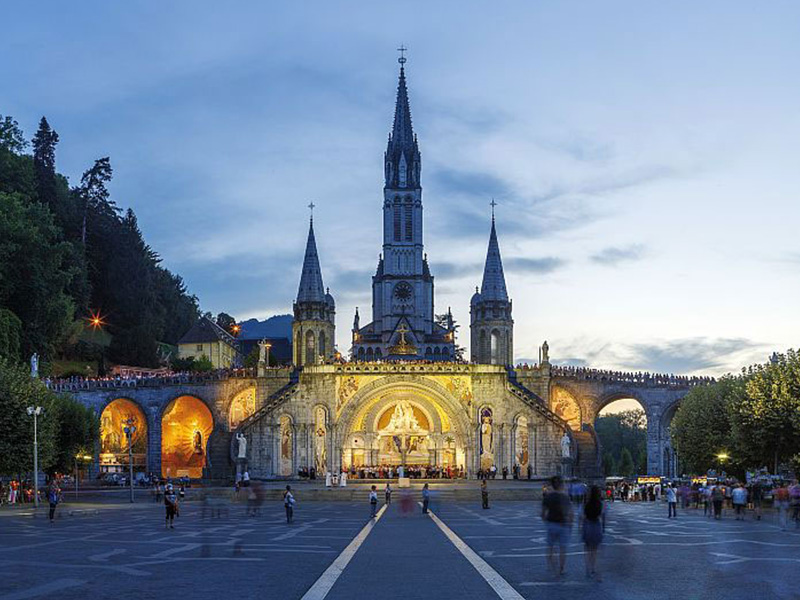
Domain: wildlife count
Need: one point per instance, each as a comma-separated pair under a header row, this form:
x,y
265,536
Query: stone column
x,y
655,464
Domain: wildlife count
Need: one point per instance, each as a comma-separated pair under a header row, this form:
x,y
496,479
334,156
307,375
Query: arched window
x,y
397,226
298,349
495,347
437,353
409,215
378,354
428,352
445,353
361,353
370,354
322,348
482,346
311,347
402,171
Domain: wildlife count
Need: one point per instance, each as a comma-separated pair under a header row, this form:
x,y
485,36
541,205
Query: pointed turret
x,y
311,288
491,325
402,158
494,282
314,325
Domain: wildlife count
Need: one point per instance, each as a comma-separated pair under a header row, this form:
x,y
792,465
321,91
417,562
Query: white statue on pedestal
x,y
565,444
242,445
35,365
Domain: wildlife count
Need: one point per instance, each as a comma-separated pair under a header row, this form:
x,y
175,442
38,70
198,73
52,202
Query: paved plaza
x,y
331,551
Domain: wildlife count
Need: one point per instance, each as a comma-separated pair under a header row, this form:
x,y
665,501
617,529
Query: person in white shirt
x,y
373,502
739,499
672,502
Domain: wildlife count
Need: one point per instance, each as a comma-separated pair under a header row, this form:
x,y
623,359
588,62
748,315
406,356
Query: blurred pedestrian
x,y
557,515
170,505
782,504
426,499
373,502
672,502
288,503
53,497
739,499
594,524
717,496
387,493
484,494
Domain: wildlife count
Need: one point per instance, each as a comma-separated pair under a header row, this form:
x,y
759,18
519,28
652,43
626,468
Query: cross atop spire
x,y
311,288
402,158
494,281
311,207
402,50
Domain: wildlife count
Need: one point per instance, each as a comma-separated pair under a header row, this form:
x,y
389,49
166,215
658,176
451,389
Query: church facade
x,y
402,398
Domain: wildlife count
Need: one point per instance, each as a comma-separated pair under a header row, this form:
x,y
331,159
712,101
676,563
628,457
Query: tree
x,y
626,466
78,430
226,321
94,193
609,464
11,136
44,162
17,392
701,427
35,275
202,364
766,420
623,430
10,333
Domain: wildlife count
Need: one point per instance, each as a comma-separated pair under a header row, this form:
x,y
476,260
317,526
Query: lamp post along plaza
x,y
35,411
130,429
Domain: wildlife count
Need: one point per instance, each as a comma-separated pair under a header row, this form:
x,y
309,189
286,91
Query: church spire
x,y
402,156
494,282
311,288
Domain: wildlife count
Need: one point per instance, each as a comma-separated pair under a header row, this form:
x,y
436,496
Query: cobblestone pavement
x,y
125,552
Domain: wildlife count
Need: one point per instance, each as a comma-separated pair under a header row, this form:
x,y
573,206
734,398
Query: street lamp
x,y
79,457
35,411
129,430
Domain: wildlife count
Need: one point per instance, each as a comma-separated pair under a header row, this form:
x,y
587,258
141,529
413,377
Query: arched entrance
x,y
186,425
116,416
411,423
621,427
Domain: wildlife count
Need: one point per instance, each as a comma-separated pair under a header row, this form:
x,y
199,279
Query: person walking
x,y
594,524
782,504
426,498
170,505
373,502
288,504
757,498
717,496
53,497
739,499
387,493
557,515
484,494
672,502
794,503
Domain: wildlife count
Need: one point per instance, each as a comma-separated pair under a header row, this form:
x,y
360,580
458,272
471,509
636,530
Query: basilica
x,y
402,398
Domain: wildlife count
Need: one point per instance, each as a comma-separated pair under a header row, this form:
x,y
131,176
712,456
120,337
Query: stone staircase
x,y
588,465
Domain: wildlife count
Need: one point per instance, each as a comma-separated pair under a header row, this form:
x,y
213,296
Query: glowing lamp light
x,y
723,456
96,320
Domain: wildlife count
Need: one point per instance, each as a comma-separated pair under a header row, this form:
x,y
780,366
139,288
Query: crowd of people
x,y
75,383
639,377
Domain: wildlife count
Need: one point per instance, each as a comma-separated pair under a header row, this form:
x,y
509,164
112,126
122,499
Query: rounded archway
x,y
116,416
395,421
621,428
186,425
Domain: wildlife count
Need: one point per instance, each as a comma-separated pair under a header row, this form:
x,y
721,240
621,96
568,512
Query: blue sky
x,y
644,155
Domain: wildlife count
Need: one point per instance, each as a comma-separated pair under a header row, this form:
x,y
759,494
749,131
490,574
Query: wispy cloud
x,y
546,264
614,255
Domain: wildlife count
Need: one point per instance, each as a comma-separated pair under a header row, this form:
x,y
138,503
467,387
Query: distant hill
x,y
279,326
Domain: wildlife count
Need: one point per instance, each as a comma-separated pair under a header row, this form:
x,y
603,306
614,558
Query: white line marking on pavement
x,y
106,555
492,577
323,585
44,589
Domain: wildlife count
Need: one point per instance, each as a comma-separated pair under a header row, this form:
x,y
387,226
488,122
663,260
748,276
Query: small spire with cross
x,y
311,207
493,204
402,50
